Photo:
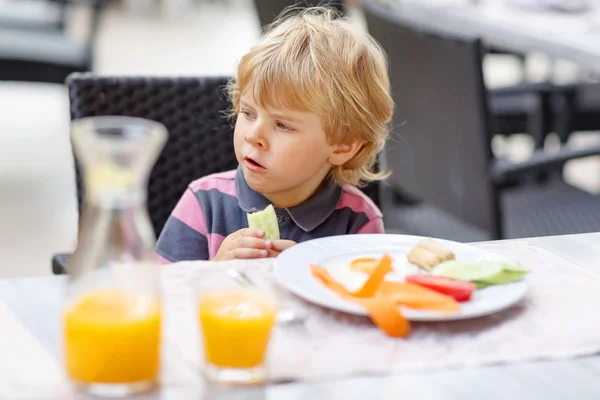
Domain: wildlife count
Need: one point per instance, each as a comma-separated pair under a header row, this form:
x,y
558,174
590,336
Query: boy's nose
x,y
256,136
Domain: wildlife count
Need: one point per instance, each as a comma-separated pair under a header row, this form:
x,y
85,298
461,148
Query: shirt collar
x,y
308,215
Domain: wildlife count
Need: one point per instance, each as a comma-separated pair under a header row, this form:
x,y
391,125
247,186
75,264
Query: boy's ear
x,y
342,153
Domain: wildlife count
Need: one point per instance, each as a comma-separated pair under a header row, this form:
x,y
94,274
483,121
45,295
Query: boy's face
x,y
283,153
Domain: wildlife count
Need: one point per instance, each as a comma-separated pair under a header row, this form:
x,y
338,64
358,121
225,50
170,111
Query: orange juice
x,y
112,337
236,325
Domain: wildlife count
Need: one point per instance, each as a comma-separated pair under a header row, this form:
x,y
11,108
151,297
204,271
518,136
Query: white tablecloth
x,y
557,319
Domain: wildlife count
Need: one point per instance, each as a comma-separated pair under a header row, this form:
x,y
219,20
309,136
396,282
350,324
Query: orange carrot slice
x,y
385,314
375,278
327,279
381,298
368,289
364,265
415,296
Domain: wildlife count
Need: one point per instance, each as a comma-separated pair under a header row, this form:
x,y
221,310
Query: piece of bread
x,y
423,258
443,253
429,253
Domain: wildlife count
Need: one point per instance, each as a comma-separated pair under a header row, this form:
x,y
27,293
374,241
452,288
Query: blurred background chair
x,y
200,139
440,153
581,105
33,15
35,45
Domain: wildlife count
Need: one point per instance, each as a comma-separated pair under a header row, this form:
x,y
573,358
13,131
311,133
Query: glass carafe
x,y
112,316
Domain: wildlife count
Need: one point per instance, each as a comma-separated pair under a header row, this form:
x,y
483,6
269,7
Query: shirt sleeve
x,y
184,236
373,226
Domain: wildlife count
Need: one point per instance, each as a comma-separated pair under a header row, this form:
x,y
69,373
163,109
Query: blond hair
x,y
314,60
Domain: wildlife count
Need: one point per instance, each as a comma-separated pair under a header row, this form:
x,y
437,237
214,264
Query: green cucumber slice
x,y
481,285
507,276
265,220
468,271
514,267
482,273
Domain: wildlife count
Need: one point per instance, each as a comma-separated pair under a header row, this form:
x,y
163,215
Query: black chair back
x,y
440,150
200,135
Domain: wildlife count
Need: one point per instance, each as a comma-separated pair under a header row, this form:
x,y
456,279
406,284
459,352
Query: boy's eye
x,y
248,114
284,127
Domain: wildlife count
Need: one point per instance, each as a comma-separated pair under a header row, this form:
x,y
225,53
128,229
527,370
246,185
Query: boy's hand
x,y
277,246
246,243
281,245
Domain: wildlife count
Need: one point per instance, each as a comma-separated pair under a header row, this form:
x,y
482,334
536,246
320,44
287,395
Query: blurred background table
x,y
572,36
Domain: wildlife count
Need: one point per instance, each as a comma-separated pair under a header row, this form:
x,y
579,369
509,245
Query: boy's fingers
x,y
251,232
281,245
245,253
273,253
252,243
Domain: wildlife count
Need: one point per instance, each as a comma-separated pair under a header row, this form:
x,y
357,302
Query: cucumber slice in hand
x,y
266,220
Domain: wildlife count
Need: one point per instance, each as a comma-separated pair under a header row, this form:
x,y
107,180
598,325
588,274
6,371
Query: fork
x,y
284,316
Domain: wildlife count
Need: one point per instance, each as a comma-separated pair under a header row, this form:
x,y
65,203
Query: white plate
x,y
292,270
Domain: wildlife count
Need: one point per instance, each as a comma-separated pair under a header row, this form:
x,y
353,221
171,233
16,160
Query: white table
x,y
575,37
36,303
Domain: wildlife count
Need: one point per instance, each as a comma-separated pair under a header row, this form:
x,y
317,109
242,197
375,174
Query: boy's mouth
x,y
253,165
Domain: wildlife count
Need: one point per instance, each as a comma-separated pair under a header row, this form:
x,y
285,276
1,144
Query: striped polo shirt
x,y
215,206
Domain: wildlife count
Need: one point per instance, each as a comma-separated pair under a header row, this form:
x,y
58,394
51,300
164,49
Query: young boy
x,y
312,106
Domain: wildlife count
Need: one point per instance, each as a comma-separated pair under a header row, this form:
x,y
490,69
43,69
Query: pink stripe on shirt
x,y
358,202
189,212
214,244
161,259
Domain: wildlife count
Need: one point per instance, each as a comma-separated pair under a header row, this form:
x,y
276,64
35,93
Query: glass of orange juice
x,y
236,325
111,340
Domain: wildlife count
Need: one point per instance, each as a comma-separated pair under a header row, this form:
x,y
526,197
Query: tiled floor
x,y
37,195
